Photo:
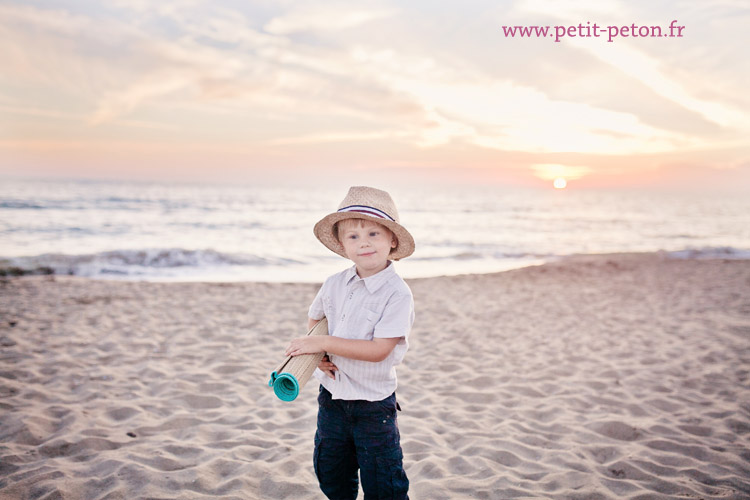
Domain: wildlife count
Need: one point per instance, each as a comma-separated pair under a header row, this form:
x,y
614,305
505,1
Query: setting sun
x,y
560,183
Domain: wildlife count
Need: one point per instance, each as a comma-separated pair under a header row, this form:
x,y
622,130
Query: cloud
x,y
647,70
188,69
447,89
47,20
576,10
322,18
45,113
335,137
661,72
499,114
122,102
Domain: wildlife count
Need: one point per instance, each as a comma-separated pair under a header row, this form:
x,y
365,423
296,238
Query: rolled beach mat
x,y
293,372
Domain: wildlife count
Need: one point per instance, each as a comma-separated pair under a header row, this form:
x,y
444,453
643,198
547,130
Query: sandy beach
x,y
597,377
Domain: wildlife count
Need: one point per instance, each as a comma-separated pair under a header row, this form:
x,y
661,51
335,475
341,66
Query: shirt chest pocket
x,y
371,316
361,325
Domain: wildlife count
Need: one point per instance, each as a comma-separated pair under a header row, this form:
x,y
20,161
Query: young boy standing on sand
x,y
370,312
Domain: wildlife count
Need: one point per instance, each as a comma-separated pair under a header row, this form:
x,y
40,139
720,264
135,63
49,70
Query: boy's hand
x,y
306,345
327,367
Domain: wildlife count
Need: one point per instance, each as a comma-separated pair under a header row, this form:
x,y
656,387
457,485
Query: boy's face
x,y
367,244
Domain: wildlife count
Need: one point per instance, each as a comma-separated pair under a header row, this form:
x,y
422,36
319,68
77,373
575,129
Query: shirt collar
x,y
372,283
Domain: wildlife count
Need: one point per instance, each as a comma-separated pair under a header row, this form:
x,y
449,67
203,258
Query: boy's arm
x,y
400,320
374,350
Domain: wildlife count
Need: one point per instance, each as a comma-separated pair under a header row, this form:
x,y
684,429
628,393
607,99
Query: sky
x,y
320,91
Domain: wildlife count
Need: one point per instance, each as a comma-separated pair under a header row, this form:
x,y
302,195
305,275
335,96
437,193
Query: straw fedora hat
x,y
370,204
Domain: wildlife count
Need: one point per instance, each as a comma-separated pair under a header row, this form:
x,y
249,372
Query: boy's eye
x,y
374,233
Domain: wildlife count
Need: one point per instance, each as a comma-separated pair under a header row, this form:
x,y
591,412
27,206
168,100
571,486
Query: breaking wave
x,y
142,263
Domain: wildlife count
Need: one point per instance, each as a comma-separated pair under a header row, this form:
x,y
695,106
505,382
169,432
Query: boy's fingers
x,y
289,348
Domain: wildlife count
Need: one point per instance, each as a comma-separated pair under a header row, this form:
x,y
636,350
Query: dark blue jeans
x,y
359,435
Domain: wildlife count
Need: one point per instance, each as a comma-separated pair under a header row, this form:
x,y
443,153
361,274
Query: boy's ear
x,y
394,241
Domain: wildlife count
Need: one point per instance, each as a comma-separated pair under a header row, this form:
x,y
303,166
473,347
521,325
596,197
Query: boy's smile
x,y
367,244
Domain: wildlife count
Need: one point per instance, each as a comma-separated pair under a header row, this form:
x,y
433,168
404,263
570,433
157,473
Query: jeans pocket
x,y
324,397
389,405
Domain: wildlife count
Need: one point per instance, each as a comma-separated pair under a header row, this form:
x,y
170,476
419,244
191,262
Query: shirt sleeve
x,y
316,310
397,319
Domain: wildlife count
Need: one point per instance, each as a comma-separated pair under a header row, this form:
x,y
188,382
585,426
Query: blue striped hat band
x,y
363,209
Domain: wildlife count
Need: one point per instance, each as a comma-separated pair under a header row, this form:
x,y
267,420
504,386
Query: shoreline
x,y
615,376
50,264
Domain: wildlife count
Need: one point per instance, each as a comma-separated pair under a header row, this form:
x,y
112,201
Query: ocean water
x,y
190,232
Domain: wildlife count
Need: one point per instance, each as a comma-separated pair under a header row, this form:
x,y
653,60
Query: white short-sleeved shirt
x,y
379,306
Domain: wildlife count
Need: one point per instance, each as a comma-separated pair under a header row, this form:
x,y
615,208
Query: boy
x,y
370,312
